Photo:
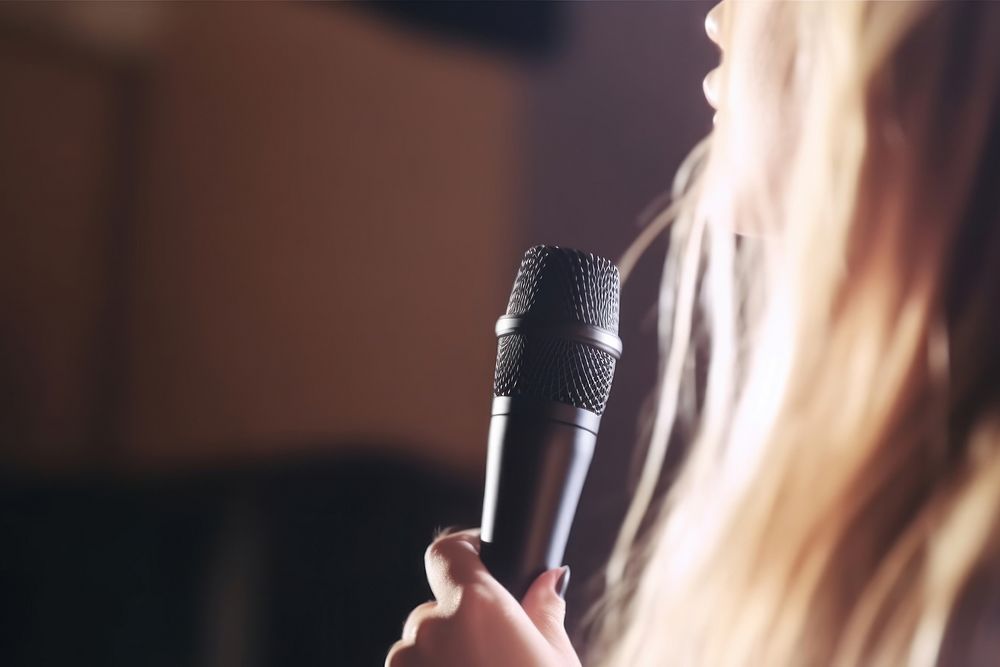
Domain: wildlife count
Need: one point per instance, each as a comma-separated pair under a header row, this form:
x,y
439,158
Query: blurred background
x,y
251,256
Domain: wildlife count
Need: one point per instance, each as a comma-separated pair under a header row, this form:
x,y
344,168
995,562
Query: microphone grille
x,y
565,285
559,286
554,369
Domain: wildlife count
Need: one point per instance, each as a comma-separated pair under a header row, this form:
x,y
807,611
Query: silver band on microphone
x,y
587,334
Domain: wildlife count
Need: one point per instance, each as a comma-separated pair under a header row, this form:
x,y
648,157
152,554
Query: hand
x,y
475,622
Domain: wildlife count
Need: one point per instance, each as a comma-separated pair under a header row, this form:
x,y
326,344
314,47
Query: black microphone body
x,y
556,356
537,463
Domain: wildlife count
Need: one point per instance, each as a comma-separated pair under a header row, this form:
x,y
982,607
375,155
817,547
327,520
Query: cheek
x,y
755,133
739,159
755,114
750,152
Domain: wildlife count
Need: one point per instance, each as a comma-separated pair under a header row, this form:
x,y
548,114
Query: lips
x,y
710,86
712,23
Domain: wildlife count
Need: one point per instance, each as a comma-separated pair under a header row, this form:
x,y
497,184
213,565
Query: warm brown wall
x,y
323,250
319,243
218,221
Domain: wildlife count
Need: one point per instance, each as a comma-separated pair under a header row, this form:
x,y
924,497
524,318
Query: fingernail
x,y
562,583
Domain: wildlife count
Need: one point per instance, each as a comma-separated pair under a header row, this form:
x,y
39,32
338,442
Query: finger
x,y
417,616
469,535
452,561
448,531
547,610
402,654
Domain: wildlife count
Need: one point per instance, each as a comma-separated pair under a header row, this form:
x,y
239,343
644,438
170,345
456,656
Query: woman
x,y
840,503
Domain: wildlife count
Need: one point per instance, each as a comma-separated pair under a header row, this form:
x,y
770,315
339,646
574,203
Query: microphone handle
x,y
538,458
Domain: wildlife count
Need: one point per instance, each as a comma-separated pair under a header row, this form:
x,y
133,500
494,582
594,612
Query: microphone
x,y
556,354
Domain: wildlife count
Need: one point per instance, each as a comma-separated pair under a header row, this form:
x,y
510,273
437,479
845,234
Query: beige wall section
x,y
323,241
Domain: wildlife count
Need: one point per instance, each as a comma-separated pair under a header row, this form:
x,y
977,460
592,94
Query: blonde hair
x,y
842,488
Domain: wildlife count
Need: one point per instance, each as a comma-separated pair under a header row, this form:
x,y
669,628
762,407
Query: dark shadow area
x,y
308,563
530,31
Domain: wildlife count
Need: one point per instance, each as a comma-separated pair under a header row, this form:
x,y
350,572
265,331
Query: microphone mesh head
x,y
562,285
559,286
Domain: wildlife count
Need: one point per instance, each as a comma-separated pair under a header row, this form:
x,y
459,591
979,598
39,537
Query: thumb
x,y
546,608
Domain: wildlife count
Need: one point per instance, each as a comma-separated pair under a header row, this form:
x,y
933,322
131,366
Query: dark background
x,y
250,261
